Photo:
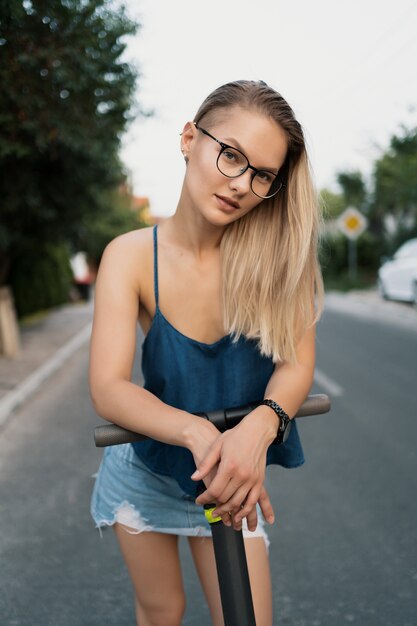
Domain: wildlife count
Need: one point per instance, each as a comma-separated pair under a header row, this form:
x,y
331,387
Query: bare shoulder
x,y
127,257
133,242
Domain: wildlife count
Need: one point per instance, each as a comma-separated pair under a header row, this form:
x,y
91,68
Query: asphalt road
x,y
343,548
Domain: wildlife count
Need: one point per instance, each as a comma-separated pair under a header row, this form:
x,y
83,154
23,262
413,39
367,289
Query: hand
x,y
202,434
252,517
239,458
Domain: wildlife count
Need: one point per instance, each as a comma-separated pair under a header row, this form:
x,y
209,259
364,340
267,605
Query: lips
x,y
228,201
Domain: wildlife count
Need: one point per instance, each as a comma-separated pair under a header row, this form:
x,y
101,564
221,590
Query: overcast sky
x,y
348,69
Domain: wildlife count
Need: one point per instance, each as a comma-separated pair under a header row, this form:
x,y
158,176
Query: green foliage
x,y
393,193
396,182
345,282
40,278
65,101
353,189
370,250
332,204
94,235
334,254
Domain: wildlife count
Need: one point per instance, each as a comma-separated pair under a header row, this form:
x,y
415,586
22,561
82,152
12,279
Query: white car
x,y
397,278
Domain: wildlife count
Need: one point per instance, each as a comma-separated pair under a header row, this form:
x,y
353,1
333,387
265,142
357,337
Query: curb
x,y
17,396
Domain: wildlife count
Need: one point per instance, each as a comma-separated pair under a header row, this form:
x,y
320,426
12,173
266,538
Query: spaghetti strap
x,y
155,264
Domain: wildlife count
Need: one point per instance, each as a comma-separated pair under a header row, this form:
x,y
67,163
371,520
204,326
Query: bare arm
x,y
112,351
289,384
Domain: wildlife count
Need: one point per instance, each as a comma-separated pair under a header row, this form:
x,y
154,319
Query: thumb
x,y
208,463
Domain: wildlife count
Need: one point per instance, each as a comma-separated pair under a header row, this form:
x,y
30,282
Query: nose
x,y
241,184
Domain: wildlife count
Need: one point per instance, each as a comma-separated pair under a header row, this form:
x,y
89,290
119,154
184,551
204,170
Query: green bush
x,y
40,277
370,251
334,260
333,254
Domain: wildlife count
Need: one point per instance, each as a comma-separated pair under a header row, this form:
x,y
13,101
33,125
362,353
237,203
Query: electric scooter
x,y
229,548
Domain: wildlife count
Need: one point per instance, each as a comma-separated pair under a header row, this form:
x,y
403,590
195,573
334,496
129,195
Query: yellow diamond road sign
x,y
352,223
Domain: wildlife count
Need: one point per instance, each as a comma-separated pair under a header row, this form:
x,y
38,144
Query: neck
x,y
192,231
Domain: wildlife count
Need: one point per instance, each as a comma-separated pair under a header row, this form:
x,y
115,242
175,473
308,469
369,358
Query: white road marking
x,y
328,385
18,395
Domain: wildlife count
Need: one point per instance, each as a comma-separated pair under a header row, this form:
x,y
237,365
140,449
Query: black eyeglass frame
x,y
225,146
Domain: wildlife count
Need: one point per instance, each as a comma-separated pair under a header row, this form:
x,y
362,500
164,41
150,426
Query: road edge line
x,y
329,385
25,389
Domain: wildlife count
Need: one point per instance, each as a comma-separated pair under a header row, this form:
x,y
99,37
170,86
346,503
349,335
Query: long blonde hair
x,y
270,272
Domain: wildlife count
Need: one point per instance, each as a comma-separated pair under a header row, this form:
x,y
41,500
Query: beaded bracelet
x,y
284,426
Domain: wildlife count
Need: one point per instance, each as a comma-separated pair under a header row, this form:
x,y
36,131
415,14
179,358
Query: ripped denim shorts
x,y
128,492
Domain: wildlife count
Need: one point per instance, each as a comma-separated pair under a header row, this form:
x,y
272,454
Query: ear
x,y
188,136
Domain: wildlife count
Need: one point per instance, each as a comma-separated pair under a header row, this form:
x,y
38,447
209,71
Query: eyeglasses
x,y
232,163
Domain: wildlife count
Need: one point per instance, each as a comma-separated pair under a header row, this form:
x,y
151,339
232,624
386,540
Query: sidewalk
x,y
368,304
46,343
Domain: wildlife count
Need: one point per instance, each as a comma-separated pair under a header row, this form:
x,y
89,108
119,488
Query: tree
x,y
65,101
392,197
395,185
353,189
332,203
353,192
334,245
95,234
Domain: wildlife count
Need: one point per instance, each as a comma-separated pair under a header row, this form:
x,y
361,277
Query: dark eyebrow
x,y
235,141
239,147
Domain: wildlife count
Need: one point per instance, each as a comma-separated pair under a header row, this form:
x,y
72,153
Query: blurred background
x,y
92,93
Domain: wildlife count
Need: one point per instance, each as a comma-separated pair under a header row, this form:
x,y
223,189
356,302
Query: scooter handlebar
x,y
111,435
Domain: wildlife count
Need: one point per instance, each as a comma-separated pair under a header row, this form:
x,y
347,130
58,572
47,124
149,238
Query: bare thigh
x,y
259,575
153,563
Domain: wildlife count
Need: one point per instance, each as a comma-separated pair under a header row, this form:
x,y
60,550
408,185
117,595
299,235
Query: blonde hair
x,y
270,271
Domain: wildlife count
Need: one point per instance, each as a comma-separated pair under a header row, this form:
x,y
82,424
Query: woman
x,y
224,291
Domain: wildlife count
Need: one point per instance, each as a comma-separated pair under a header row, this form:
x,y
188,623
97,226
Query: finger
x,y
235,503
249,504
227,519
236,525
231,496
214,493
224,488
266,506
208,463
252,519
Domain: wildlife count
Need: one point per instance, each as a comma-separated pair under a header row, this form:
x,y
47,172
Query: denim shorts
x,y
128,492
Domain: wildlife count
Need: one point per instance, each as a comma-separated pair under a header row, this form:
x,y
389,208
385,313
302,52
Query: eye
x,y
230,155
265,177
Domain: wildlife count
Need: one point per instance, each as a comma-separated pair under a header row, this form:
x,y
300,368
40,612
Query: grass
x,y
344,282
33,318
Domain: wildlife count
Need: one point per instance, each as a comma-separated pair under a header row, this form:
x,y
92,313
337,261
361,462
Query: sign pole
x,y
353,259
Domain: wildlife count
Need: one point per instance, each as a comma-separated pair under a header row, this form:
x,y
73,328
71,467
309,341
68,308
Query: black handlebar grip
x,y
111,435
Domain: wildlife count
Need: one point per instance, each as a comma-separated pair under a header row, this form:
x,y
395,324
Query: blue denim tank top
x,y
200,377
